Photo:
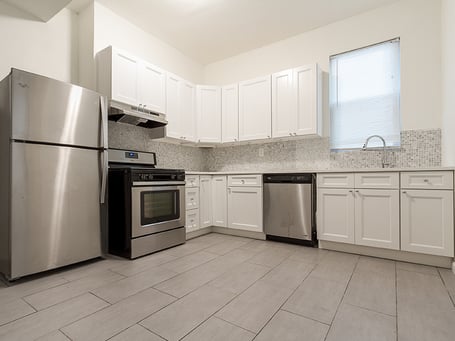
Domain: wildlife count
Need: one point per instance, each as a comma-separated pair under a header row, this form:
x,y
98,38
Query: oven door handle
x,y
158,183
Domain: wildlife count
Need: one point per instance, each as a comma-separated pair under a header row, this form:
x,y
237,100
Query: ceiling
x,y
43,9
211,30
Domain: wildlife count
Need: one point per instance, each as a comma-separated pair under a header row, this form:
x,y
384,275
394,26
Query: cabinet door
x,y
192,220
173,113
307,85
205,201
188,110
245,208
283,104
427,222
152,88
335,215
377,218
124,78
209,114
219,196
255,109
230,113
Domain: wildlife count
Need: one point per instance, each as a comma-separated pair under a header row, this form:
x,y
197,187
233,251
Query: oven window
x,y
159,206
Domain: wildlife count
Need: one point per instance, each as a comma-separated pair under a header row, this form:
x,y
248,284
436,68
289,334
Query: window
x,y
365,96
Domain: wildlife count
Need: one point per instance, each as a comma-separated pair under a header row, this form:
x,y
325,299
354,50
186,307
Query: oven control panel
x,y
158,176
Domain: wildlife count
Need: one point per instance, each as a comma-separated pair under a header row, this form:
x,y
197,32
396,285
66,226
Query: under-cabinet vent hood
x,y
122,113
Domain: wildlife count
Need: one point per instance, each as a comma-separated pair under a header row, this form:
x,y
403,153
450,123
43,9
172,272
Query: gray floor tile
x,y
54,336
309,254
48,320
192,246
192,279
13,310
421,292
254,307
423,269
448,278
380,266
129,286
142,264
285,326
181,317
225,247
216,329
334,270
256,245
372,291
270,257
118,317
358,324
289,273
136,333
49,297
317,299
188,262
93,268
240,278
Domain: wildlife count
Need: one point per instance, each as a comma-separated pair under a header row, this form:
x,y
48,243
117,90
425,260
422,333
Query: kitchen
x,y
226,281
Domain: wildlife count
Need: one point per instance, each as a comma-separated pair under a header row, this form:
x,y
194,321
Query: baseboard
x,y
198,233
238,233
404,256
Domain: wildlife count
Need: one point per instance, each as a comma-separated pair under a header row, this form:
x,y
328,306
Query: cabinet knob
x,y
351,191
268,136
426,180
404,192
290,134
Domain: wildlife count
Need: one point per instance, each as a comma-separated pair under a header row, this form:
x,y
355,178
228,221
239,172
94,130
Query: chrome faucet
x,y
365,148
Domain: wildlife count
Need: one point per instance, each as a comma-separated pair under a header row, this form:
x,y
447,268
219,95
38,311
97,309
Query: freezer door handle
x,y
103,104
103,176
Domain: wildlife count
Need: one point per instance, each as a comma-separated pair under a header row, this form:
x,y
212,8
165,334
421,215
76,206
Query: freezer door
x,y
55,207
47,110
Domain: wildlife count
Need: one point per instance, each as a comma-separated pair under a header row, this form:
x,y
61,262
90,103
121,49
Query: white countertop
x,y
336,170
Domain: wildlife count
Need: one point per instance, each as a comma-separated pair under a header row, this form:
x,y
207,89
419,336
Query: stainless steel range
x,y
146,204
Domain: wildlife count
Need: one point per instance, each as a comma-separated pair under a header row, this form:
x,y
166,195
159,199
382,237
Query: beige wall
x,y
448,82
111,29
417,22
44,48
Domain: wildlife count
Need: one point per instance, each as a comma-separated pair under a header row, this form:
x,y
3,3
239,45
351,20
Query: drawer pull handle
x,y
404,192
426,180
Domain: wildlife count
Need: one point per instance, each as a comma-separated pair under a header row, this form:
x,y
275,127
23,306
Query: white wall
x,y
44,48
87,66
417,22
111,29
448,82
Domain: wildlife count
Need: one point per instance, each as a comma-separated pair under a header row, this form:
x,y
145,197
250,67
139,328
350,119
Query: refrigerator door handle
x,y
103,176
103,104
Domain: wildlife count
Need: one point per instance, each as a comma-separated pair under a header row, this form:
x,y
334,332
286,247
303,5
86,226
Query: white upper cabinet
x,y
187,101
152,87
284,108
173,113
255,109
230,113
308,85
209,113
296,102
129,80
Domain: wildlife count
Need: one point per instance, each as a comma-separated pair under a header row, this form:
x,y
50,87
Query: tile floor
x,y
219,287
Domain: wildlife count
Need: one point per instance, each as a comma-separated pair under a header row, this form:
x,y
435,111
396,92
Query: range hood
x,y
123,113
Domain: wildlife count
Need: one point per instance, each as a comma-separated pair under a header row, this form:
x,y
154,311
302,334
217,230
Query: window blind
x,y
364,96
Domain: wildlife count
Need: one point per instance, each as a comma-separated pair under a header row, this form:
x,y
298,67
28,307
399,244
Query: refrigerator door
x,y
47,110
55,207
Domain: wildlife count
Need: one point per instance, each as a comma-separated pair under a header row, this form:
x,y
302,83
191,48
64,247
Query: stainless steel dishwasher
x,y
290,207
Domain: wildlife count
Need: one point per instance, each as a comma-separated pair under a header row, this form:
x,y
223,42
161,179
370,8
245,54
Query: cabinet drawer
x,y
427,180
192,220
245,180
336,180
192,181
377,180
192,198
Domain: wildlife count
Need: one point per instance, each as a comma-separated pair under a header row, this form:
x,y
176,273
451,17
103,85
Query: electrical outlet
x,y
261,152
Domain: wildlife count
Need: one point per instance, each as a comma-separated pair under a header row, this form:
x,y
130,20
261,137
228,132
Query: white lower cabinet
x,y
377,218
427,222
245,208
192,220
205,200
335,215
219,195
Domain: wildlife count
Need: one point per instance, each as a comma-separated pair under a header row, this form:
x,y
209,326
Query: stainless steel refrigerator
x,y
53,168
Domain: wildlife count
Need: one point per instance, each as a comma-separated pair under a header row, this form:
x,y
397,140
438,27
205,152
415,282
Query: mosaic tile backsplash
x,y
419,148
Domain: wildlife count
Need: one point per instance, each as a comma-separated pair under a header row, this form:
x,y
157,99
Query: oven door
x,y
156,209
